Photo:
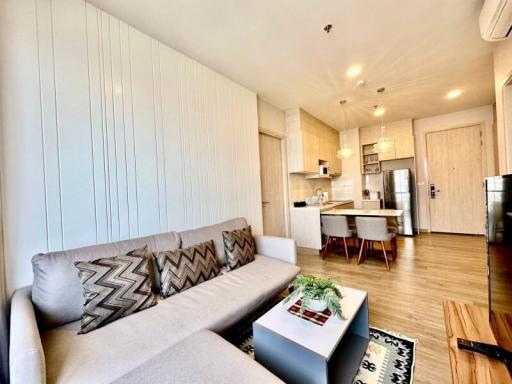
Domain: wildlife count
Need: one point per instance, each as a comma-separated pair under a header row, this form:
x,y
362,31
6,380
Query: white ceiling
x,y
417,49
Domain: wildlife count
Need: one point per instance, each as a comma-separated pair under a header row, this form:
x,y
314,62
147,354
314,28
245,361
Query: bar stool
x,y
375,229
335,227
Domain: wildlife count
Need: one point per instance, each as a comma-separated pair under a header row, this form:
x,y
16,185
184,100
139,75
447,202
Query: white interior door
x,y
272,189
455,172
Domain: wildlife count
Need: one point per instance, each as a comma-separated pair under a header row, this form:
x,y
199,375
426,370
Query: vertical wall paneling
x,y
49,130
104,132
110,127
144,132
22,147
159,142
109,134
119,129
73,123
96,111
172,139
131,173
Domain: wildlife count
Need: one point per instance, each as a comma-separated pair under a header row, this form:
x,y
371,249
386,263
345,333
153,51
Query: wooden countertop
x,y
365,212
471,322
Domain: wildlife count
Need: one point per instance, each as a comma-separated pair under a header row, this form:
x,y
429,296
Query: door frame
x,y
483,145
506,98
284,167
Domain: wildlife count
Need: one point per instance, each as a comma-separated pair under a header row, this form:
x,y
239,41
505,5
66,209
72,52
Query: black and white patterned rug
x,y
389,359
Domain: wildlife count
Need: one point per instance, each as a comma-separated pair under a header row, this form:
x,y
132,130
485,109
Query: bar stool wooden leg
x,y
393,248
361,252
385,254
346,250
326,247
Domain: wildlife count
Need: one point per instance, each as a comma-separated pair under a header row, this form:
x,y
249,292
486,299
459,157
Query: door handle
x,y
265,202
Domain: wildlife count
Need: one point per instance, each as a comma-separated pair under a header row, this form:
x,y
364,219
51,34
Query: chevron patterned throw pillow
x,y
183,268
114,287
239,247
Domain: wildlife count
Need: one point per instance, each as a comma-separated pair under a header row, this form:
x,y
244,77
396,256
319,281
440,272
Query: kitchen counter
x,y
325,207
335,204
365,212
305,222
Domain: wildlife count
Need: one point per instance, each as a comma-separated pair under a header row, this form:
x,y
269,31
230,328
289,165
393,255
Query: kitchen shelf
x,y
370,160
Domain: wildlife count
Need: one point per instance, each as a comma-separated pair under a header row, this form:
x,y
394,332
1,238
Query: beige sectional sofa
x,y
45,346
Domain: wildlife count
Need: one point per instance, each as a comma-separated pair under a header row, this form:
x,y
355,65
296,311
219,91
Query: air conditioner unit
x,y
496,20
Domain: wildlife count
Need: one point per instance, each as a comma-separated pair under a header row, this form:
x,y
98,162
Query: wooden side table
x,y
471,322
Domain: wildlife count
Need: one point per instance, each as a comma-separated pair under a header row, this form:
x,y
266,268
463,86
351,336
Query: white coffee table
x,y
299,351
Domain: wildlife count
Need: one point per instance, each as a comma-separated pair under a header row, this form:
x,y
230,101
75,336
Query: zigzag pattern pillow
x,y
183,268
114,287
239,247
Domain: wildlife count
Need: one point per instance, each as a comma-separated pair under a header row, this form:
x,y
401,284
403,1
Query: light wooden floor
x,y
408,299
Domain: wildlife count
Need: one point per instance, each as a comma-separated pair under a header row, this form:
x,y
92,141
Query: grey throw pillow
x,y
239,247
183,268
114,287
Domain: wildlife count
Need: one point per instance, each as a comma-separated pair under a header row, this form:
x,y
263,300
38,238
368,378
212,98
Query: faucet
x,y
320,192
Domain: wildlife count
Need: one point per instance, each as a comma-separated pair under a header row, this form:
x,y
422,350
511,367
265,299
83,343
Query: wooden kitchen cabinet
x,y
310,141
391,155
334,147
401,132
404,143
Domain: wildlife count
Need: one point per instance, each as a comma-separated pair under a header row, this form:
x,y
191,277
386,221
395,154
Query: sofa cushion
x,y
114,287
239,247
183,268
200,235
56,290
215,304
201,358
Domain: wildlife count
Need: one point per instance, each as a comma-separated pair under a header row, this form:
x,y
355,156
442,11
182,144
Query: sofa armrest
x,y
277,247
26,355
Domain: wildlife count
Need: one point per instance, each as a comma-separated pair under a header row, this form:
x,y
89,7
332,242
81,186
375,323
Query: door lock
x,y
433,191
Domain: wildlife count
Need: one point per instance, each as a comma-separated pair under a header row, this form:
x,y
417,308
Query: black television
x,y
498,192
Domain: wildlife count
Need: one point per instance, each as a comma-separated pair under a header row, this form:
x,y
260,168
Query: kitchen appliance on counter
x,y
398,195
374,195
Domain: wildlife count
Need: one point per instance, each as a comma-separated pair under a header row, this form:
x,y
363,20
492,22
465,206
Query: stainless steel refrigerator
x,y
398,195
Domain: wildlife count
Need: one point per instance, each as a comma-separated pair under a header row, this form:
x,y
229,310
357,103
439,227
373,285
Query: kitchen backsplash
x,y
344,188
373,182
300,187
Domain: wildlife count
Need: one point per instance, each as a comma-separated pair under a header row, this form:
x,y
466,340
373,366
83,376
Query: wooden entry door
x,y
272,189
456,186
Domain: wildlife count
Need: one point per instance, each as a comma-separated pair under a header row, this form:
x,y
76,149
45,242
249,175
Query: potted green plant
x,y
316,294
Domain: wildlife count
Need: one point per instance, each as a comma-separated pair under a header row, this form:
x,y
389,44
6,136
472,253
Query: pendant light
x,y
384,144
346,151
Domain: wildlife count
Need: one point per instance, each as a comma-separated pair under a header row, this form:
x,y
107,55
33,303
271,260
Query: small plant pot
x,y
317,306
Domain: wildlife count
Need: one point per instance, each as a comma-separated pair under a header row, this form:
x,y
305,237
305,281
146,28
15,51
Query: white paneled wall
x,y
109,134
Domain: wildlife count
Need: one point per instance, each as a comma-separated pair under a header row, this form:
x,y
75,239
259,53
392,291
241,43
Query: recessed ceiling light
x,y
354,71
379,111
453,94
